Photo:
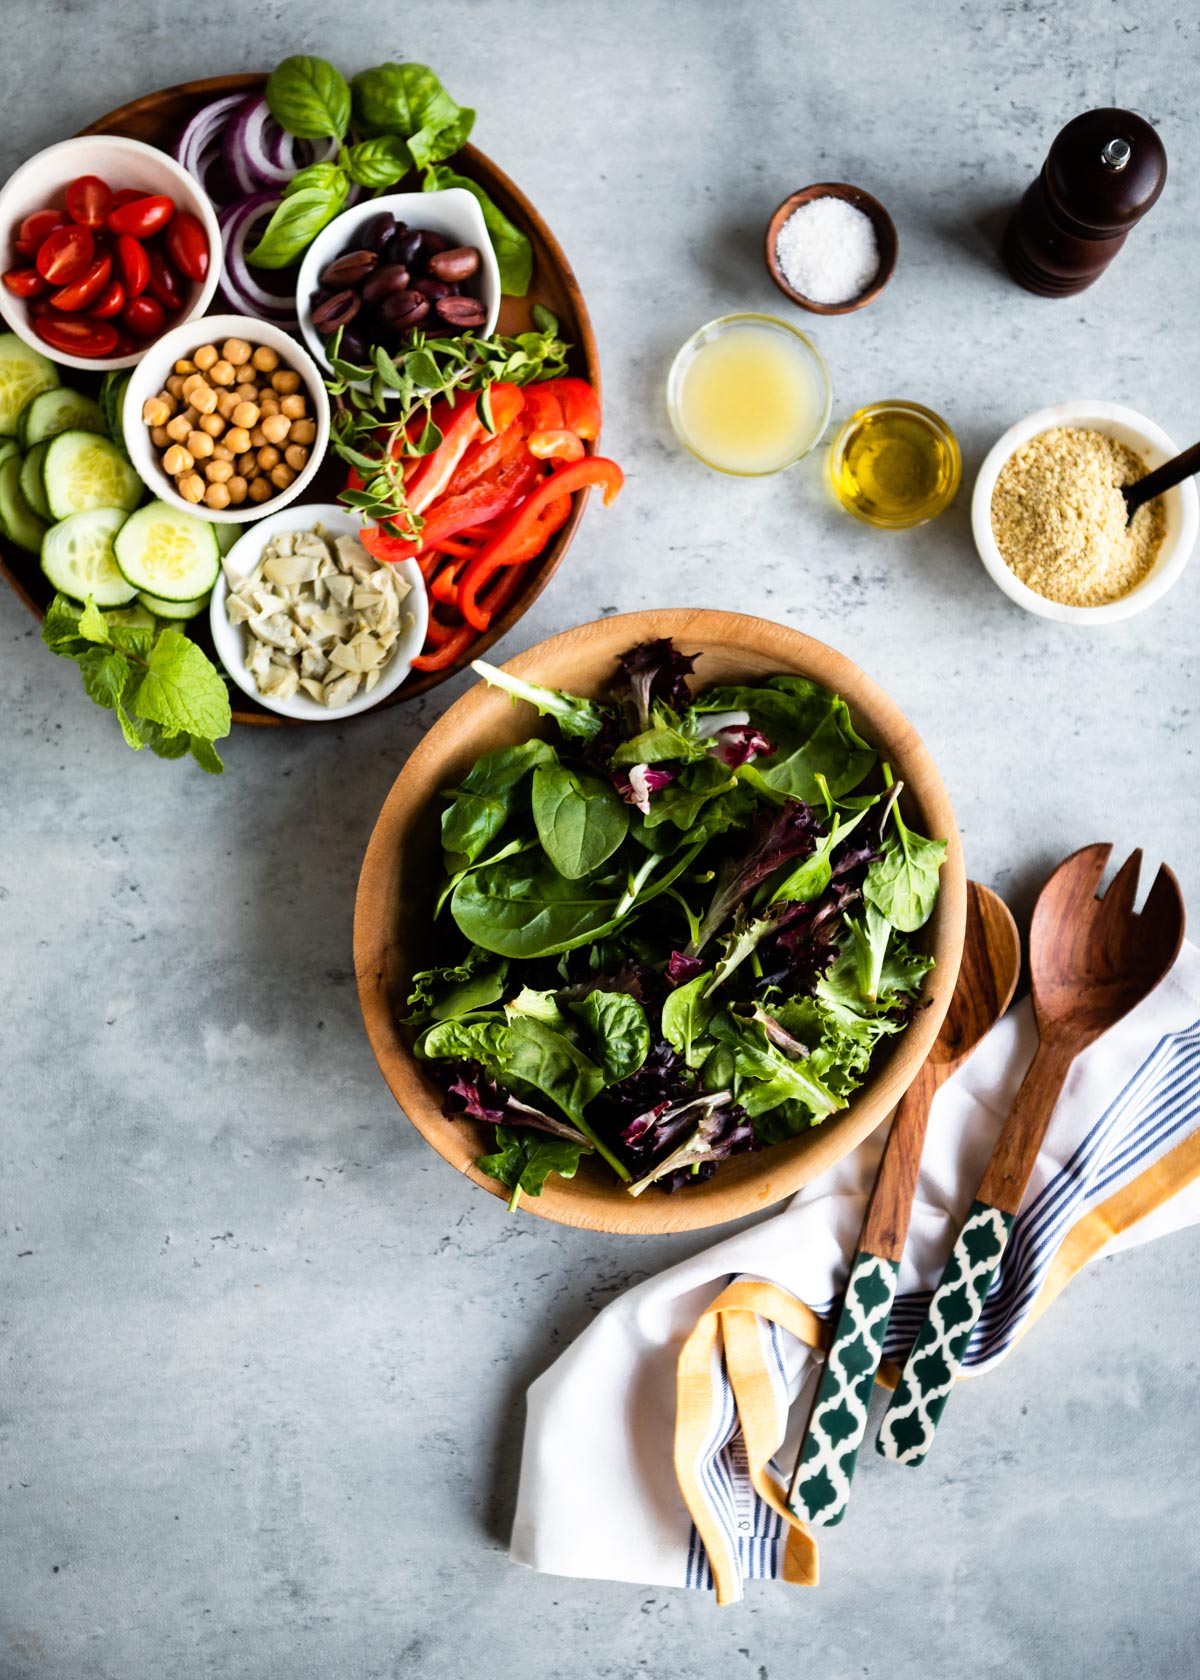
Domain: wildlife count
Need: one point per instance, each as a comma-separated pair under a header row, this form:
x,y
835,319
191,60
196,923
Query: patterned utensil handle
x,y
825,1466
907,1431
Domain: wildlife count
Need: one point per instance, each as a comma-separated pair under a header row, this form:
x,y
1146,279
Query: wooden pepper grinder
x,y
1104,171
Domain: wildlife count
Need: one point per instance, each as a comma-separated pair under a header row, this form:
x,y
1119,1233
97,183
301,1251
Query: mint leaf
x,y
132,638
205,754
182,691
93,624
105,673
60,628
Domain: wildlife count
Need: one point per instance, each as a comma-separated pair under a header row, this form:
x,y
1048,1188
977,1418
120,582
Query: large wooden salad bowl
x,y
393,935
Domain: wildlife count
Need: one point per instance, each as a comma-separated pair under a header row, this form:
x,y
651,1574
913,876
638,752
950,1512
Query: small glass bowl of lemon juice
x,y
749,395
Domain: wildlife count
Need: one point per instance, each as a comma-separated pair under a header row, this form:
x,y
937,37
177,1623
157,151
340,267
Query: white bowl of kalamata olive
x,y
394,264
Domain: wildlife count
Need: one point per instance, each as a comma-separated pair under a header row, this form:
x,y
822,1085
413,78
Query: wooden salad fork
x,y
987,978
1091,961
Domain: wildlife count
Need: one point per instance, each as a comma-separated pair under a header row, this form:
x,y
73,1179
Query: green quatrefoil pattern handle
x,y
825,1468
907,1431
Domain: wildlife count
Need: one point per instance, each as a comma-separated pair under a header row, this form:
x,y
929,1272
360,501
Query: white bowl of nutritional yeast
x,y
1181,506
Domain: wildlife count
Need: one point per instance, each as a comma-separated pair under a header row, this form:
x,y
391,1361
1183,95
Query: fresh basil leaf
x,y
296,222
409,100
514,252
379,162
310,98
618,1024
580,819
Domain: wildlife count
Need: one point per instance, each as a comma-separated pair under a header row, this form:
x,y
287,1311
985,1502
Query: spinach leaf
x,y
489,794
685,1018
811,732
618,1024
409,100
524,1160
523,907
309,98
903,883
514,252
379,162
484,1041
540,1056
580,819
310,200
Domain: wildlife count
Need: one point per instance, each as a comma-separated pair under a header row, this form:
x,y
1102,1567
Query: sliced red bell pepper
x,y
580,404
444,586
509,544
485,500
552,518
557,445
435,471
543,411
458,641
382,545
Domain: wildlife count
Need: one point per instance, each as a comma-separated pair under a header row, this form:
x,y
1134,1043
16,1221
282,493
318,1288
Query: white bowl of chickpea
x,y
226,417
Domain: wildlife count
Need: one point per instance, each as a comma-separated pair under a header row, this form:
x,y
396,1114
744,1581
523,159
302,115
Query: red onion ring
x,y
199,143
258,153
238,221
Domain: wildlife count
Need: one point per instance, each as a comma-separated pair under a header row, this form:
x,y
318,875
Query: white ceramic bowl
x,y
230,639
1182,507
452,212
42,180
154,370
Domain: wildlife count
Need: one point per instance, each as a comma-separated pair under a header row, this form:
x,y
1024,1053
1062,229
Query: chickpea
x,y
212,424
205,401
259,489
295,407
178,430
296,457
191,487
257,437
226,403
237,438
246,392
236,350
268,457
269,404
275,428
192,381
286,381
160,437
177,460
218,472
174,386
282,476
205,357
222,373
220,453
155,412
246,464
265,359
200,445
237,488
192,415
165,396
304,431
183,365
246,414
216,496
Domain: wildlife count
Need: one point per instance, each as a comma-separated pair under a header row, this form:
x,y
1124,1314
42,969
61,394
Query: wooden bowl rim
x,y
885,234
774,1173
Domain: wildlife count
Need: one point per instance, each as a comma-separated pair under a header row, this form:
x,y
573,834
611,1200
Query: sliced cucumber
x,y
174,609
23,373
18,520
52,412
78,558
112,403
83,471
9,446
227,535
168,554
32,487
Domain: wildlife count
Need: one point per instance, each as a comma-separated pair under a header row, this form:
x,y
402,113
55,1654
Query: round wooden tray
x,y
394,934
157,118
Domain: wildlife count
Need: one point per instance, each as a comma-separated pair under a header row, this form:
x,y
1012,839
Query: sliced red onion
x,y
258,153
200,141
239,222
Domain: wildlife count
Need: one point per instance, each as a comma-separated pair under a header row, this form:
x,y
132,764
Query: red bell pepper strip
x,y
507,547
543,411
445,586
580,405
457,548
382,545
488,499
435,471
558,445
453,648
551,519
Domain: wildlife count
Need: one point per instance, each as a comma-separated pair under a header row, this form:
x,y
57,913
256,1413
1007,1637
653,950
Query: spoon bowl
x,y
1185,465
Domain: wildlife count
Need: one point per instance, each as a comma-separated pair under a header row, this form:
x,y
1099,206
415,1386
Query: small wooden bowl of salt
x,y
831,248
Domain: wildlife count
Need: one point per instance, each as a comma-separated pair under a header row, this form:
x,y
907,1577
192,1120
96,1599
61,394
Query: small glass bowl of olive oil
x,y
895,465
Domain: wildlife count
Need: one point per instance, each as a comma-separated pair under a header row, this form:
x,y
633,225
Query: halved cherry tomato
x,y
36,229
75,335
187,245
144,317
134,265
143,217
82,293
127,195
110,302
25,282
89,200
163,282
65,255
126,345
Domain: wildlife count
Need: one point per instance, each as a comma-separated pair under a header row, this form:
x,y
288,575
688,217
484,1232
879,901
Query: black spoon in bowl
x,y
1162,478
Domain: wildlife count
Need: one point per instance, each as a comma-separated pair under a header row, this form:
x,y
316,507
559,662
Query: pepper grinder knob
x,y
1104,171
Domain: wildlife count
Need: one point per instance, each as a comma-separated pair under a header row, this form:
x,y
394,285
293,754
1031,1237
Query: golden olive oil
x,y
895,464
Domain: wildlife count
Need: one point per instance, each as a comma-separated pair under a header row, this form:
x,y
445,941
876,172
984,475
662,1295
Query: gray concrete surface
x,y
263,1354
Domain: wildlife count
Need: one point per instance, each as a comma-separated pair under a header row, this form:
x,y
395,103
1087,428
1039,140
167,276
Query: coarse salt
x,y
828,251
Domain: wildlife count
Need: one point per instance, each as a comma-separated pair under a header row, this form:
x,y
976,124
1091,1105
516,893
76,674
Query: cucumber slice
x,y
169,554
83,471
227,535
32,487
18,520
112,403
52,412
174,609
9,446
77,557
23,373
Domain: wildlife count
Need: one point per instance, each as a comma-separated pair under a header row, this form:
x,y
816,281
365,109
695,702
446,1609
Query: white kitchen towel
x,y
642,1466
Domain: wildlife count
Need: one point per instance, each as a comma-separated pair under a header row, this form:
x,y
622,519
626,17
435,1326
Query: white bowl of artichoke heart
x,y
308,624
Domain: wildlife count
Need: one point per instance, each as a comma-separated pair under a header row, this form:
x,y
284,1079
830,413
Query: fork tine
x,y
1087,867
1119,899
1164,899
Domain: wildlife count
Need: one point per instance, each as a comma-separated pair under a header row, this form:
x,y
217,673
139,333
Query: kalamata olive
x,y
380,231
405,247
354,348
392,277
434,289
350,269
461,312
335,312
435,242
405,309
458,264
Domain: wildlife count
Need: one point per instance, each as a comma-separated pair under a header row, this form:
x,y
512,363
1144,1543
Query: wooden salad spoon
x,y
1091,961
987,977
1166,477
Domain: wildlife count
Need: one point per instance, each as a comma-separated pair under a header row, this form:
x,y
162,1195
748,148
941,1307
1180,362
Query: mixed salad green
x,y
677,932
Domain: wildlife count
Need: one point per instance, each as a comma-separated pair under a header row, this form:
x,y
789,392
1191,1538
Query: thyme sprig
x,y
376,405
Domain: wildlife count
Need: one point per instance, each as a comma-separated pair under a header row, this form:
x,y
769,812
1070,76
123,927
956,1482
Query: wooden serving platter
x,y
157,118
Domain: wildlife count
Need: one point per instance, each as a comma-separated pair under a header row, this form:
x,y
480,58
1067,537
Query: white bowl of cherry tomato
x,y
105,244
